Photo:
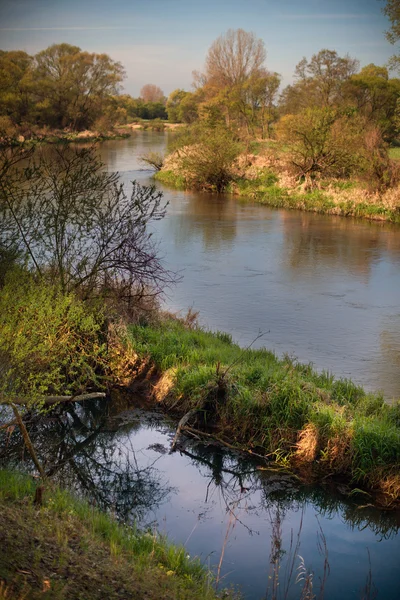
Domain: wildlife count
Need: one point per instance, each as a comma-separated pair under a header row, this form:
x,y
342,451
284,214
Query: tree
x,y
207,157
76,224
322,142
392,10
15,100
233,58
375,96
152,93
71,86
319,81
256,101
182,107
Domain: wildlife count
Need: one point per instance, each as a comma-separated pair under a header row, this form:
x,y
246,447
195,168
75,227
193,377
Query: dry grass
x,y
338,454
307,443
389,487
164,385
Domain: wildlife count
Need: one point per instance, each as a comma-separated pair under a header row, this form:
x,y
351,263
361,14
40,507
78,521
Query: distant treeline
x,y
65,87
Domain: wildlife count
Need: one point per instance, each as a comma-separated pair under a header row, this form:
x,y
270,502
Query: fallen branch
x,y
182,424
215,438
27,441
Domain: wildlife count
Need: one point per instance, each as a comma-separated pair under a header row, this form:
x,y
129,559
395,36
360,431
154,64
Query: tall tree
x,y
319,82
14,84
375,96
233,58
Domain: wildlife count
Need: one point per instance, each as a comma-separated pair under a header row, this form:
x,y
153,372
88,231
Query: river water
x,y
220,505
324,289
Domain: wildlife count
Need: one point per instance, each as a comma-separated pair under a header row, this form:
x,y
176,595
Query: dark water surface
x,y
220,505
324,289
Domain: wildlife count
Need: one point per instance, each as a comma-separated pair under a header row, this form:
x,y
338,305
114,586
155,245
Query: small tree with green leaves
x,y
322,142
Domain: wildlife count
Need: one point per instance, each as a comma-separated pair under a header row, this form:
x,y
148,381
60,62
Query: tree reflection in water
x,y
83,450
90,448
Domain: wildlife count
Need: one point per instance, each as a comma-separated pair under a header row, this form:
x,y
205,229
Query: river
x,y
323,289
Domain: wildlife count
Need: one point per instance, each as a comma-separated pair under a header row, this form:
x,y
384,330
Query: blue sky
x,y
163,41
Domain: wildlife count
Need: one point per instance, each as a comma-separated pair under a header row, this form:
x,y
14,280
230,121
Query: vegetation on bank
x,y
62,547
329,202
279,409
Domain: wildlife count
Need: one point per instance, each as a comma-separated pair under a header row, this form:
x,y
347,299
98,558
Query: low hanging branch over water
x,y
50,400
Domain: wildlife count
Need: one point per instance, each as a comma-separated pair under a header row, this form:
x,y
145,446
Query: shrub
x,y
50,343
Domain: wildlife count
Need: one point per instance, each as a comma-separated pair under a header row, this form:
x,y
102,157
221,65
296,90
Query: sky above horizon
x,y
163,41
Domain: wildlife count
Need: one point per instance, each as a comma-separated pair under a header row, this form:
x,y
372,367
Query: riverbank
x,y
310,423
336,198
61,547
64,137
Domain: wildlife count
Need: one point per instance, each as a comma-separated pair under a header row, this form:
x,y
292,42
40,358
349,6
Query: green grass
x,y
276,407
170,178
84,553
394,153
317,201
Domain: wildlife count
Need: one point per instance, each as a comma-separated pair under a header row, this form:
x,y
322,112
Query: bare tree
x,y
152,93
77,223
233,58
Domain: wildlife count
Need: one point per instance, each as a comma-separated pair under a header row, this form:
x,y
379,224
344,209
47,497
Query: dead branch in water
x,y
185,419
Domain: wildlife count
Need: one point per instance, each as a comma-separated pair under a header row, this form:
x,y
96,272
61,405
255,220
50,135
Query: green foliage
x,y
182,107
394,153
375,97
322,142
61,86
50,343
207,156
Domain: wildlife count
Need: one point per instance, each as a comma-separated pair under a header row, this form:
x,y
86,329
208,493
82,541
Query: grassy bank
x,y
65,548
265,189
285,411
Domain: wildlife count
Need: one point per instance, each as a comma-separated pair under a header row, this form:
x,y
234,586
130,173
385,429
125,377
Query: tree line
x,y
65,87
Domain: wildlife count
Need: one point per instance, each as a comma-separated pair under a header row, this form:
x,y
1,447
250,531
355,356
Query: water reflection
x,y
217,502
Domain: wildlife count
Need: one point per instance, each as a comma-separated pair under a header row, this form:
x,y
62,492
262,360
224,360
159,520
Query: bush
x,y
322,142
207,157
75,223
50,343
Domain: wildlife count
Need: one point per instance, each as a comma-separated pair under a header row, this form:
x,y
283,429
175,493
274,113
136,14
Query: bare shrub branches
x,y
76,223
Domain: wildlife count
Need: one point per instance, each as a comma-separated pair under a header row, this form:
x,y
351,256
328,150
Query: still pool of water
x,y
220,505
324,289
